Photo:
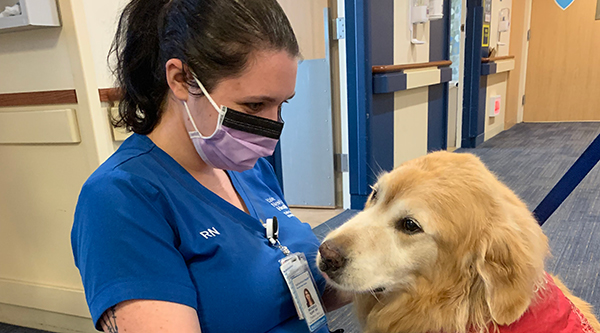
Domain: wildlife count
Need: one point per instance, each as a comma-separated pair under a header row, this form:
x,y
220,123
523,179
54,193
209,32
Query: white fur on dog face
x,y
378,254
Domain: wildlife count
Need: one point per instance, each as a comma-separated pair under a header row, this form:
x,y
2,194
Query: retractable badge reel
x,y
296,272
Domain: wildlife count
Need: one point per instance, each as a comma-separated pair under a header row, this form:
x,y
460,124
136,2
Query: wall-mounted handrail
x,y
39,98
110,94
399,68
497,58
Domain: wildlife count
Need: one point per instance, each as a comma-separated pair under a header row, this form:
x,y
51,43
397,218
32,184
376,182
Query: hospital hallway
x,y
530,158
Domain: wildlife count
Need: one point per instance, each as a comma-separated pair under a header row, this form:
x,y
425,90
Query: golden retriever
x,y
443,246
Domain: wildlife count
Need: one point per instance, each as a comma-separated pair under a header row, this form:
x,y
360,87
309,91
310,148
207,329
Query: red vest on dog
x,y
553,313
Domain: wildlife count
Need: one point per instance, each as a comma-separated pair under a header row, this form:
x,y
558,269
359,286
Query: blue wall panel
x,y
381,145
437,115
471,121
359,97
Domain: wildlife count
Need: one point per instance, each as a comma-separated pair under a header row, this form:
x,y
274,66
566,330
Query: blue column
x,y
473,117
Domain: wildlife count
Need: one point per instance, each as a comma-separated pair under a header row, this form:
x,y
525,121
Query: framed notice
x,y
487,11
598,10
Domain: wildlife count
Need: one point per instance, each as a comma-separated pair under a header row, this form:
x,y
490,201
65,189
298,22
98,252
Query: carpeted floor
x,y
530,159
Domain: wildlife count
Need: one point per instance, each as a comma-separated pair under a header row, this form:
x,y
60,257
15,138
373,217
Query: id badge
x,y
301,283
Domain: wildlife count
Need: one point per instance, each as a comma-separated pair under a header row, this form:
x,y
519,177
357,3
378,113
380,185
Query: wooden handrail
x,y
110,95
398,68
497,58
39,98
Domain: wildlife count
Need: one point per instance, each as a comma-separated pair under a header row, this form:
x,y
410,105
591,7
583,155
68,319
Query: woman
x,y
168,232
308,297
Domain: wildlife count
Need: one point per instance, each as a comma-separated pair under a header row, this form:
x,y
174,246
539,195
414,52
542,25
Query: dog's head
x,y
444,226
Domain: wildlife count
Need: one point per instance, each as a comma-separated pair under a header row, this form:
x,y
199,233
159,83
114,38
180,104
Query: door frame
x,y
461,75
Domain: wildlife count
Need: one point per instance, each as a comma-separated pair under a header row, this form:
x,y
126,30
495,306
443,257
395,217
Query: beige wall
x,y
310,36
39,283
496,86
518,48
35,60
410,106
497,83
498,5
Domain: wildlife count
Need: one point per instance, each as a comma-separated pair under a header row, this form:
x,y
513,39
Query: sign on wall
x,y
564,4
487,11
598,10
485,38
487,19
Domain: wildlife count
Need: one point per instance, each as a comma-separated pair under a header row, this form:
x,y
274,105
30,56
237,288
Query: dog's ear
x,y
510,262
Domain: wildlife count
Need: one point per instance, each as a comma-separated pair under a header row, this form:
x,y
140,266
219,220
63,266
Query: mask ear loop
x,y
221,111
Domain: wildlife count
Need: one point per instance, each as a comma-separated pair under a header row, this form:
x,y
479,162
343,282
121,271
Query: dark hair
x,y
214,38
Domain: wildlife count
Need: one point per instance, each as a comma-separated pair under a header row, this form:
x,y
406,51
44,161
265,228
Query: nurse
x,y
169,233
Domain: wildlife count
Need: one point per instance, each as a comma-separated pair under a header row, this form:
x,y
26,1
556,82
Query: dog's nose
x,y
333,258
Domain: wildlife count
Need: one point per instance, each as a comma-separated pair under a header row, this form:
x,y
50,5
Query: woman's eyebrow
x,y
268,99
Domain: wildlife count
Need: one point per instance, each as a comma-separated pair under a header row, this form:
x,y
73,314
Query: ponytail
x,y
214,38
138,70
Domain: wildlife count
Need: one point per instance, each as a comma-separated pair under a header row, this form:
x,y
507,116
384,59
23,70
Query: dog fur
x,y
476,264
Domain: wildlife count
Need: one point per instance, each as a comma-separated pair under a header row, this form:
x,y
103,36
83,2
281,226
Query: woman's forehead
x,y
270,76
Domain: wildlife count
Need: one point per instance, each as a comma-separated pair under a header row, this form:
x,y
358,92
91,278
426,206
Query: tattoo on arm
x,y
109,321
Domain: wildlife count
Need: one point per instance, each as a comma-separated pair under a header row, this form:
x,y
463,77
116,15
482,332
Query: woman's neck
x,y
172,137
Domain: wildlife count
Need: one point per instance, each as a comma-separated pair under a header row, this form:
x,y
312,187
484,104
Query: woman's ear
x,y
176,79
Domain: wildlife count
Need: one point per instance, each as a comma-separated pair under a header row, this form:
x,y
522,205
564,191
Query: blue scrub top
x,y
146,229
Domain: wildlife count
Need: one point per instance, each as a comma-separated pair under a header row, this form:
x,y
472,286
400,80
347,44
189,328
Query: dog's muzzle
x,y
333,259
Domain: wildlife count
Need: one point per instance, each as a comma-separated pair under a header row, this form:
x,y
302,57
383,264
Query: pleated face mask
x,y
239,139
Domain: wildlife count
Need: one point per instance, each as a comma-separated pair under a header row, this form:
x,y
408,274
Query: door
x,y
563,72
307,156
455,87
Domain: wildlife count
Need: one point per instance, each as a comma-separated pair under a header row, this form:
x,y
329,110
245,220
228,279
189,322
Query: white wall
x,y
102,18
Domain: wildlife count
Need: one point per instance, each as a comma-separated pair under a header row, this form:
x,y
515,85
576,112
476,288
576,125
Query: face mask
x,y
239,139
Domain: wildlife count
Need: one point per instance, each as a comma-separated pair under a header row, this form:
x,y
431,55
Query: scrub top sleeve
x,y
124,246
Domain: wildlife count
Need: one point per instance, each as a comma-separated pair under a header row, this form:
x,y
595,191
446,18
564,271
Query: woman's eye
x,y
408,226
254,106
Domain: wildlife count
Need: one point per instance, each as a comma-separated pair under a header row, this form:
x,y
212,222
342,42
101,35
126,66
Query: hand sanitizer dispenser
x,y
503,23
418,13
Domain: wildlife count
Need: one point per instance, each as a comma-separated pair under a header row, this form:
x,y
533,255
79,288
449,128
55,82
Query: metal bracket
x,y
340,28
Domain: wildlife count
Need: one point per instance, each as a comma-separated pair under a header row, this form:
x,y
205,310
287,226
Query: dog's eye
x,y
373,196
408,226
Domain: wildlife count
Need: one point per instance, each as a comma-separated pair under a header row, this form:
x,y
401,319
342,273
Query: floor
x,y
315,216
5,328
530,159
